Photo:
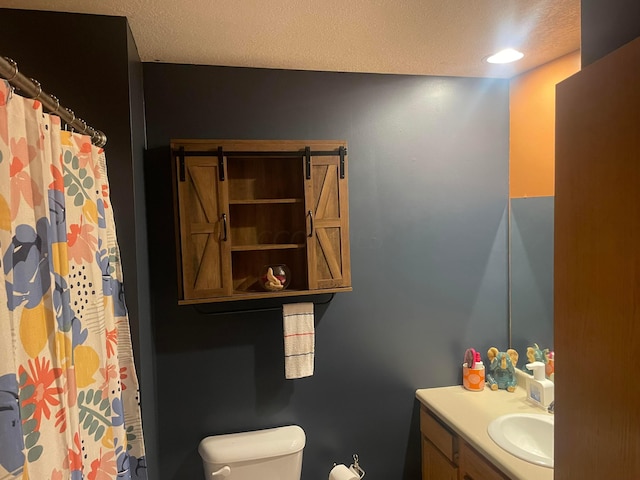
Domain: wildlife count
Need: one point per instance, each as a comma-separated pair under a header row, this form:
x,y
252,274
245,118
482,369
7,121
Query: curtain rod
x,y
32,88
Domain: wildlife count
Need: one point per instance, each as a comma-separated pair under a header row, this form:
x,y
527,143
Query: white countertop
x,y
469,414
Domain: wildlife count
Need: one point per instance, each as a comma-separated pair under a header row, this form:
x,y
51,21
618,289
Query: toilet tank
x,y
271,454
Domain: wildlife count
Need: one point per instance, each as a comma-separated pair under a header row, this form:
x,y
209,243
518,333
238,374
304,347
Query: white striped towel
x,y
299,339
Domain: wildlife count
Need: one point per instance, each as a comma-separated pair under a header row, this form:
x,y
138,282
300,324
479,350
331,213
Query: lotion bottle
x,y
539,389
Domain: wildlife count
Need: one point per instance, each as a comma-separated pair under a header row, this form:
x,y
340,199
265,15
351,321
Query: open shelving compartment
x,y
267,222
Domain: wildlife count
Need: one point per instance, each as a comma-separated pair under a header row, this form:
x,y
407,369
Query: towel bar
x,y
255,310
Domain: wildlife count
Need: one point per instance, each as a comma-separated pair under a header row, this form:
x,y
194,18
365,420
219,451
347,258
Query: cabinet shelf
x,y
274,246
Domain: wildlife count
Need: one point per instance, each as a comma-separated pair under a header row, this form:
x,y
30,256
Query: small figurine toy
x,y
502,369
536,354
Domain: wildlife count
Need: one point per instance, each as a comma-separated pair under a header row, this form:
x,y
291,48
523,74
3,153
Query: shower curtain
x,y
69,399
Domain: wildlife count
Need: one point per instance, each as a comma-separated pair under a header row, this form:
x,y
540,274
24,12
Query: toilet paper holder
x,y
355,466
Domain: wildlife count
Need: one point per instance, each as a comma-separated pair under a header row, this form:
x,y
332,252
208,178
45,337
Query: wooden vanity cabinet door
x,y
445,440
474,466
439,448
435,466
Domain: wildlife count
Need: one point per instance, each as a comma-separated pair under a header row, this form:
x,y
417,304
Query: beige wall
x,y
532,127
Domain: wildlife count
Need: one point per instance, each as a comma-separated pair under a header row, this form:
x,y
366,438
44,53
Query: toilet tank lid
x,y
245,446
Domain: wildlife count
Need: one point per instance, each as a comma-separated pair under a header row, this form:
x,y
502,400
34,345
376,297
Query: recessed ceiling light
x,y
507,55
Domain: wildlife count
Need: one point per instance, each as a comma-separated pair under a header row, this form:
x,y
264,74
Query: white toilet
x,y
272,454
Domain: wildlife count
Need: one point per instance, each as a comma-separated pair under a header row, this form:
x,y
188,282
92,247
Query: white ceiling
x,y
425,37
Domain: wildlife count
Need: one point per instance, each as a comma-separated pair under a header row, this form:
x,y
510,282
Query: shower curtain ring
x,y
93,134
55,99
70,124
15,68
37,84
84,125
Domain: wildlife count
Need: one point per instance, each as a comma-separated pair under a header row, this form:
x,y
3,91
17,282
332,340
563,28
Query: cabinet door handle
x,y
310,215
224,227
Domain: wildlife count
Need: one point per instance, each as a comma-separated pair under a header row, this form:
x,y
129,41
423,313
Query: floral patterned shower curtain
x,y
68,389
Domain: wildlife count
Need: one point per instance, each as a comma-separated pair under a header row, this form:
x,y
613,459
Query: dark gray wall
x,y
91,64
531,251
141,331
428,179
606,26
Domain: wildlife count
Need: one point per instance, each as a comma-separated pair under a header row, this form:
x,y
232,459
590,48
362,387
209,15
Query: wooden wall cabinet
x,y
446,456
243,204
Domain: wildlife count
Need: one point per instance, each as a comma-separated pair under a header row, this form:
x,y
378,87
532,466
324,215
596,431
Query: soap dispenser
x,y
539,389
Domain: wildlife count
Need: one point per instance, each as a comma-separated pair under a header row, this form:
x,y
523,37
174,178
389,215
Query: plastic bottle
x,y
539,389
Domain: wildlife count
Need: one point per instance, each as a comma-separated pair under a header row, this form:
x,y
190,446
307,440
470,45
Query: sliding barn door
x,y
204,230
326,200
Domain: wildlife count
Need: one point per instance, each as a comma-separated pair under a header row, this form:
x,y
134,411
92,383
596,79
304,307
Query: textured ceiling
x,y
425,37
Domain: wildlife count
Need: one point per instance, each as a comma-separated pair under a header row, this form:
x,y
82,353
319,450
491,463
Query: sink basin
x,y
528,436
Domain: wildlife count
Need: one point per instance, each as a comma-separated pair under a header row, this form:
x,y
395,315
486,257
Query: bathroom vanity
x,y
454,438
